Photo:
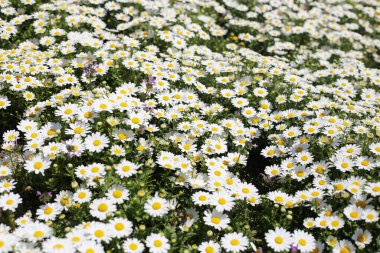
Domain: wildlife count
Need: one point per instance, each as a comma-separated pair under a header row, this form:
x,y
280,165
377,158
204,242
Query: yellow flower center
x,y
82,195
202,198
48,210
209,249
279,199
362,238
222,201
119,226
365,163
354,215
302,242
136,120
126,168
234,242
156,206
278,239
157,243
78,130
87,115
122,136
99,233
133,246
117,193
215,220
58,246
37,165
68,111
38,234
76,239
245,190
97,143
103,207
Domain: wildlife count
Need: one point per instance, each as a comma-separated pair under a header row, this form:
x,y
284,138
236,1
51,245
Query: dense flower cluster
x,y
189,126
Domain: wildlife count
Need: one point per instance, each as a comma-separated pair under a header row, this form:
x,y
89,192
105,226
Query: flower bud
x,y
74,184
141,193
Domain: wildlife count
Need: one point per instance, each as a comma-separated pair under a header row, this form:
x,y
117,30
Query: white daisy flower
x,y
126,168
121,227
279,239
96,142
157,243
362,237
48,211
132,245
209,247
99,232
216,219
234,242
201,198
156,207
10,201
118,194
222,201
37,164
304,241
91,246
344,246
36,231
82,195
100,208
57,245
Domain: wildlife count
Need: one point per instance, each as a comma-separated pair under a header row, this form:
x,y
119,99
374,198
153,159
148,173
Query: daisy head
x,y
234,242
278,239
157,243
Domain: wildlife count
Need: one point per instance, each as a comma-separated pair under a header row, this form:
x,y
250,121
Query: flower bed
x,y
189,126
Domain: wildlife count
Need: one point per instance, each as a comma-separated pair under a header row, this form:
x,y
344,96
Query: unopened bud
x,y
74,184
